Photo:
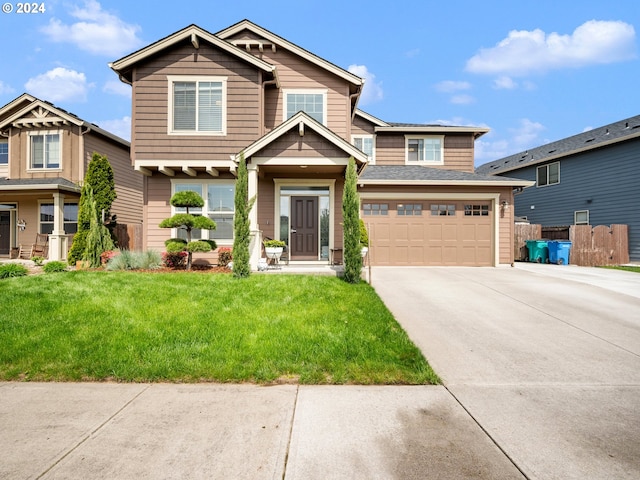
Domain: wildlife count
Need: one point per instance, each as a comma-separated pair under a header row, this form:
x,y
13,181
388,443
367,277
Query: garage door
x,y
429,233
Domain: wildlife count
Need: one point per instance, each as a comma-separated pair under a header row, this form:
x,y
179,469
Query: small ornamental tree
x,y
99,179
241,226
188,222
98,239
351,223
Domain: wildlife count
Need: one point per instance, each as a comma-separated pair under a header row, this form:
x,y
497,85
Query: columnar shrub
x,y
241,226
351,223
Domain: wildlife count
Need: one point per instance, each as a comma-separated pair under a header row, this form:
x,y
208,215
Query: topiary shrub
x,y
54,267
11,270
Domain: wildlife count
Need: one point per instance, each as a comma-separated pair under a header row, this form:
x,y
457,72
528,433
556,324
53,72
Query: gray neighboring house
x,y
591,178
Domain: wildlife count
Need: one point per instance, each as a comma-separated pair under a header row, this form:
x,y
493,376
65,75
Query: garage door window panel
x,y
409,209
476,210
448,210
375,209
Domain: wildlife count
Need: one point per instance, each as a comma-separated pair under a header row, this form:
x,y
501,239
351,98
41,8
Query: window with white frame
x,y
366,144
44,150
548,174
70,219
219,206
312,102
424,150
4,151
197,105
581,217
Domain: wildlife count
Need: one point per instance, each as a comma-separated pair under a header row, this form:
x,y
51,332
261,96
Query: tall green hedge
x,y
241,225
351,222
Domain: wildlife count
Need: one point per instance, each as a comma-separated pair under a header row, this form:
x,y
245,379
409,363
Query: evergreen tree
x,y
98,239
98,179
351,223
241,226
189,199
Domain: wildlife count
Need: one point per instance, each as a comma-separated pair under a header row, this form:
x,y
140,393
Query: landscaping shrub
x,y
224,256
11,270
175,259
37,260
128,260
55,267
150,260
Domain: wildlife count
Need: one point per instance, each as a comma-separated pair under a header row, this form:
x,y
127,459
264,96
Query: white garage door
x,y
429,233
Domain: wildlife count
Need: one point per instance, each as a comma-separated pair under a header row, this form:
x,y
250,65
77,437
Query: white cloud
x,y
120,127
504,83
97,31
117,87
450,86
5,89
372,91
462,99
523,52
524,136
59,84
412,53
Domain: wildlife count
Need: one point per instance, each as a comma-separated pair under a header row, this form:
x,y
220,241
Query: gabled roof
x,y
302,121
417,128
613,133
194,34
266,34
45,114
418,175
374,120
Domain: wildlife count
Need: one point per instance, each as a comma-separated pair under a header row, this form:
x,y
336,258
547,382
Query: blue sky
x,y
531,71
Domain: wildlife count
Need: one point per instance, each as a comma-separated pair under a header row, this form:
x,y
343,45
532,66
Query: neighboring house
x,y
592,178
200,100
44,154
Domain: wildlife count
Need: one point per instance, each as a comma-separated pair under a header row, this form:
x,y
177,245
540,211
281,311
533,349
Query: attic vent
x,y
626,124
607,132
590,140
551,151
521,160
507,162
636,126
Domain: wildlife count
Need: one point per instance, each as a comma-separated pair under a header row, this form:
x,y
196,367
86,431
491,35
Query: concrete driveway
x,y
545,358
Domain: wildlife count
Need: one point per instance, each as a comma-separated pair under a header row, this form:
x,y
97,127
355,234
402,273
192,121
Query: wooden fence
x,y
129,237
590,246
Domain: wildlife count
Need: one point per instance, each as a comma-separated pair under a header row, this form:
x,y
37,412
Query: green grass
x,y
190,327
627,268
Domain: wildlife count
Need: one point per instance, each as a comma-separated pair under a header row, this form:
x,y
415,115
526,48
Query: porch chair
x,y
38,249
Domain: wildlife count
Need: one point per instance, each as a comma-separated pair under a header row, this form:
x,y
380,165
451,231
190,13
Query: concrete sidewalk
x,y
213,431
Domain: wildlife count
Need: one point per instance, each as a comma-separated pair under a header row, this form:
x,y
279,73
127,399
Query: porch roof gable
x,y
302,121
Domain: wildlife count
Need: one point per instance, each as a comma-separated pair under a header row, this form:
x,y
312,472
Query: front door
x,y
5,232
304,228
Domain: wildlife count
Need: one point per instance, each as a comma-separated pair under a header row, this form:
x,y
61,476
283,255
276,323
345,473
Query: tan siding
x,y
292,144
150,100
361,126
266,206
157,208
506,226
128,205
390,150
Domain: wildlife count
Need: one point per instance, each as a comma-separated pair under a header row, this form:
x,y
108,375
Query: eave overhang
x,y
477,132
450,183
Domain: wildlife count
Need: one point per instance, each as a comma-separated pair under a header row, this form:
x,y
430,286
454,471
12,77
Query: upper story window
x,y
44,150
312,102
424,150
548,174
197,105
366,144
4,151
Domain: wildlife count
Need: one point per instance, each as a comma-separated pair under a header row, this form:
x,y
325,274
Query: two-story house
x,y
200,100
592,178
44,154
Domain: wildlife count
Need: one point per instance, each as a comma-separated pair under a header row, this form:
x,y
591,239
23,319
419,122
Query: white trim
x,y
302,182
407,138
575,217
171,79
472,183
367,116
372,157
42,133
304,91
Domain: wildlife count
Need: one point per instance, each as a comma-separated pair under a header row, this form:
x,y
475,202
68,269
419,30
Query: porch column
x,y
255,248
57,238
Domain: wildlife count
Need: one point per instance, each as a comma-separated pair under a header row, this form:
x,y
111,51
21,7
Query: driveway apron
x,y
545,358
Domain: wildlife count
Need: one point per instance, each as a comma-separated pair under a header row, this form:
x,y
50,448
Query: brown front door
x,y
5,232
304,228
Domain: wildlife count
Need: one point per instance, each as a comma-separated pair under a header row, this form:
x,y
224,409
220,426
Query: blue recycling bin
x,y
538,251
559,252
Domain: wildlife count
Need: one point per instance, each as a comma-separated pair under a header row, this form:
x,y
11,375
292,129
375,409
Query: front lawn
x,y
190,327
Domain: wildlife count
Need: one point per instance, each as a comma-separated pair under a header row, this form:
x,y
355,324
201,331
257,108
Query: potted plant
x,y
364,239
274,249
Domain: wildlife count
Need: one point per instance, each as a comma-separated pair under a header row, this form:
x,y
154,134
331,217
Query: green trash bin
x,y
559,252
538,251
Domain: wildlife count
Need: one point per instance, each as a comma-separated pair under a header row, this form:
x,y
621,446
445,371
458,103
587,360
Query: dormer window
x,y
197,105
312,102
4,151
424,150
44,150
